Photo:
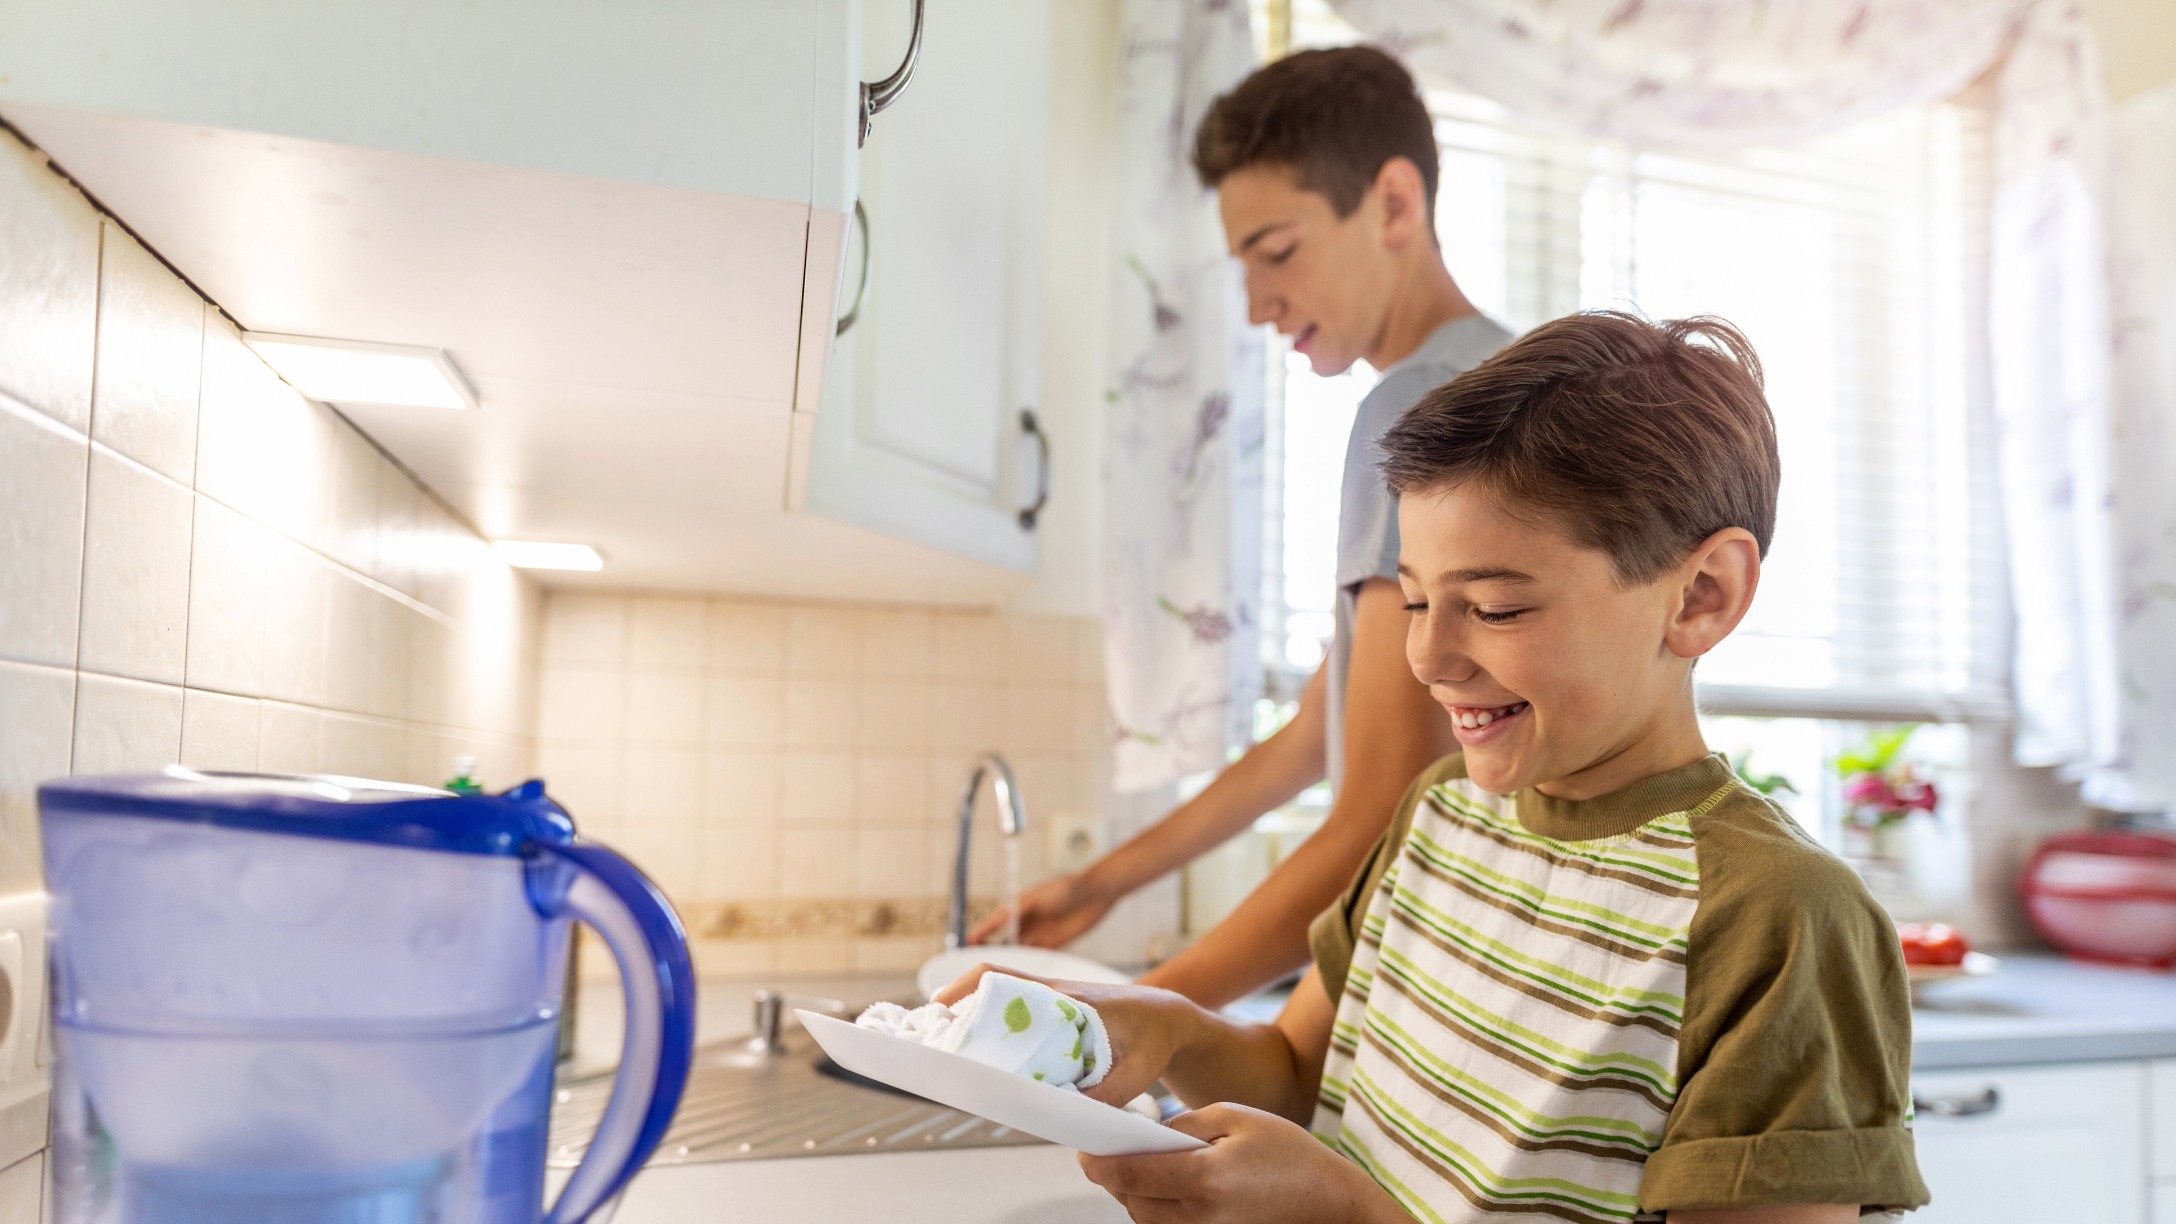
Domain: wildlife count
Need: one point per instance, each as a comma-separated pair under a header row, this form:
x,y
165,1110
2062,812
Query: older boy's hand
x,y
1146,1026
1258,1169
1053,913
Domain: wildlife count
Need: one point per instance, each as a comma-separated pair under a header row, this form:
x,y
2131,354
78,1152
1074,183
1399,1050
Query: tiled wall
x,y
198,565
788,772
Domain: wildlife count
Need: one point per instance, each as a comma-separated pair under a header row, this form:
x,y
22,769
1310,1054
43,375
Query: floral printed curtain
x,y
2084,442
2049,342
2143,269
1694,74
1183,483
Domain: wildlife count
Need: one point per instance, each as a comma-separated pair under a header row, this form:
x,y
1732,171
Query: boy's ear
x,y
1404,201
1715,590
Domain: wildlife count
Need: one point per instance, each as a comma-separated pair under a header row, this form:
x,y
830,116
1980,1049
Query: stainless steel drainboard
x,y
737,1108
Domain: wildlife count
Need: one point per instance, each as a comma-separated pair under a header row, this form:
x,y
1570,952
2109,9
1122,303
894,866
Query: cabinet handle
x,y
876,95
861,290
1034,429
1979,1104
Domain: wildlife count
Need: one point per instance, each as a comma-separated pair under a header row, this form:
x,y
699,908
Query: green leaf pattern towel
x,y
1012,1024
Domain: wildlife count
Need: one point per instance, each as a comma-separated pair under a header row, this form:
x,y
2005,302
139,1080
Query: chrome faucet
x,y
1012,816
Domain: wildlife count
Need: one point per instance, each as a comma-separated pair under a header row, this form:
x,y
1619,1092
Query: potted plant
x,y
1881,791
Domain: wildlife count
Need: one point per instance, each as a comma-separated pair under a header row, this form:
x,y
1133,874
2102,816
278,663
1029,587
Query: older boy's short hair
x,y
1334,116
1640,438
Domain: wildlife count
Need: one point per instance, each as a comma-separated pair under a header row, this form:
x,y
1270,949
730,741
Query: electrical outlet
x,y
1075,840
23,1031
22,993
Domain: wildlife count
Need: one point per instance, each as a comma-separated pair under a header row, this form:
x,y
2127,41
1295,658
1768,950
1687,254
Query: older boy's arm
x,y
1393,730
1063,908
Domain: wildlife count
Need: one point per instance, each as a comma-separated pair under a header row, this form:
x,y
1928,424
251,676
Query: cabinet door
x,y
2050,1143
919,433
2161,1127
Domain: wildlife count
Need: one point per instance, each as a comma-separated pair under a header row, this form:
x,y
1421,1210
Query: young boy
x,y
1324,165
1588,975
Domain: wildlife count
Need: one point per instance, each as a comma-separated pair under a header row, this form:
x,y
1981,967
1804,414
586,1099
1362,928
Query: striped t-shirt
x,y
1602,1010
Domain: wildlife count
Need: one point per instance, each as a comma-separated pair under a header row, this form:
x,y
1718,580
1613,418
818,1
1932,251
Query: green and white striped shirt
x,y
1538,1019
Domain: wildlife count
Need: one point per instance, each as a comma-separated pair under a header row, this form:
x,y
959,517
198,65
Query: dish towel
x,y
1012,1024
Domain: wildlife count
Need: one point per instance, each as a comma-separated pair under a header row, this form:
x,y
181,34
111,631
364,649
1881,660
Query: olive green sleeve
x,y
1794,1061
1336,930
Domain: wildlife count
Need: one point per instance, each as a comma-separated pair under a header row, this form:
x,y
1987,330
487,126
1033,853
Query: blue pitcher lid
x,y
323,805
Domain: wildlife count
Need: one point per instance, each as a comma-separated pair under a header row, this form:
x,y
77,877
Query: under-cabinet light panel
x,y
539,554
360,372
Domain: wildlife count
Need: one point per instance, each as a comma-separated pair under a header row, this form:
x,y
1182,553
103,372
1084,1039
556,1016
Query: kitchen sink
x,y
742,1105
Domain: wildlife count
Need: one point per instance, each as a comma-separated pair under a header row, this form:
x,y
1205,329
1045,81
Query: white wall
x,y
198,565
2137,43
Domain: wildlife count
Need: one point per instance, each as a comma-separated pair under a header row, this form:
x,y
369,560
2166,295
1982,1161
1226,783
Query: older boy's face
x,y
1548,666
1320,279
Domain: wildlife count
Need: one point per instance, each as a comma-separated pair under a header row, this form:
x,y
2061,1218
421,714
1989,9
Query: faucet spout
x,y
1012,816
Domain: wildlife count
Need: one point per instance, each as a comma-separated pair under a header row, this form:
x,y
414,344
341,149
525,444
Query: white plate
x,y
1976,964
1062,1117
939,971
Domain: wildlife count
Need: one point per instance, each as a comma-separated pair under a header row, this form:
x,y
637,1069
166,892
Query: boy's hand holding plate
x,y
1141,1021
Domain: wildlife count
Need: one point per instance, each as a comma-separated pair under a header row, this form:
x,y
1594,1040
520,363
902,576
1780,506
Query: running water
x,y
1010,889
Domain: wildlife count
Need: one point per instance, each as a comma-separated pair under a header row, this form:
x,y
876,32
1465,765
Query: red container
x,y
2106,896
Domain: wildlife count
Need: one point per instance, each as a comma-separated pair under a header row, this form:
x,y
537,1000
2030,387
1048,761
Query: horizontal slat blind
x,y
1849,263
1853,263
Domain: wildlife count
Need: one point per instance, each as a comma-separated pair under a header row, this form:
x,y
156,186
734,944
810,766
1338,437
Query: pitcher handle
x,y
616,900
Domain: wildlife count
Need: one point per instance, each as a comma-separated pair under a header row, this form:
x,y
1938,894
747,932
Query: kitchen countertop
x,y
2034,1009
2045,1009
1015,1185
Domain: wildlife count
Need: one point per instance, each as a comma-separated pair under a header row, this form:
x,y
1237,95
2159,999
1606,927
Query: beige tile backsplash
x,y
789,771
198,565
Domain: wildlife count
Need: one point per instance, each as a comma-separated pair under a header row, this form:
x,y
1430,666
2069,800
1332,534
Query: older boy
x,y
1588,975
1324,164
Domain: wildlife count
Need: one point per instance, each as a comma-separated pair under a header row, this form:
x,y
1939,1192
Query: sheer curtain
x,y
2143,153
1716,75
1696,75
1182,548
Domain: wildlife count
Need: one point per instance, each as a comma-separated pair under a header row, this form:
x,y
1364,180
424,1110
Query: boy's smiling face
x,y
1555,672
1324,280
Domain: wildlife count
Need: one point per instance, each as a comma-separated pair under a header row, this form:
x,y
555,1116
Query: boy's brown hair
x,y
1334,116
1640,438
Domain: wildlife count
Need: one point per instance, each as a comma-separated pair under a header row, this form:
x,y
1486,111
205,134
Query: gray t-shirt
x,y
1367,520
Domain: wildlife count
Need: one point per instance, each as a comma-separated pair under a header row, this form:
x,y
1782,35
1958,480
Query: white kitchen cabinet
x,y
2161,1119
2164,1203
623,221
921,432
2027,1145
736,97
625,224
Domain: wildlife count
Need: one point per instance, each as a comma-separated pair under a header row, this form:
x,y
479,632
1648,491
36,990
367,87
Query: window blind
x,y
1853,263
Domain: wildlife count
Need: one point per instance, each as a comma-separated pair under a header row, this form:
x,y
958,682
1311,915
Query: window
x,y
1850,262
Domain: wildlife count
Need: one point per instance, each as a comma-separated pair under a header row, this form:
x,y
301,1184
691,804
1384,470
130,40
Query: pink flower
x,y
1915,795
1870,790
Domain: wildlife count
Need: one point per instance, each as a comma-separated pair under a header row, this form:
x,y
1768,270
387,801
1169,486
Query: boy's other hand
x,y
1145,1026
1257,1169
1053,914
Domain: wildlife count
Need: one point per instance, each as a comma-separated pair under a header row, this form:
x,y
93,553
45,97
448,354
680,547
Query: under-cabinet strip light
x,y
538,554
361,372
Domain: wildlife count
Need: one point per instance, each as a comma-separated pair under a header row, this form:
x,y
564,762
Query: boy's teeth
x,y
1474,720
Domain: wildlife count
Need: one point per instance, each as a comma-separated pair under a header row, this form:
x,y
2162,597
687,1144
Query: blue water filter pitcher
x,y
321,1000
